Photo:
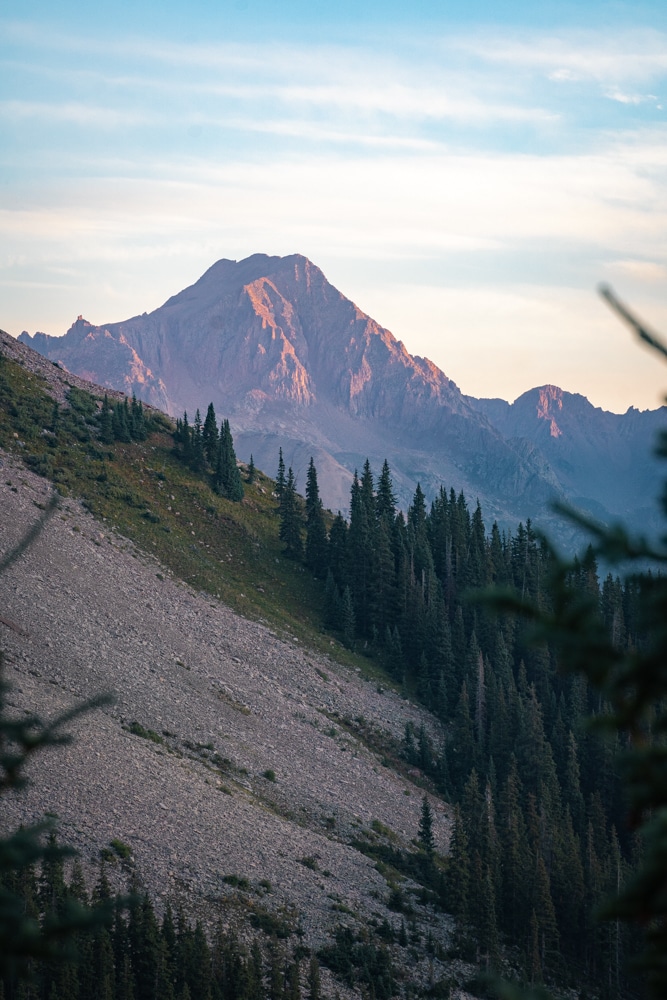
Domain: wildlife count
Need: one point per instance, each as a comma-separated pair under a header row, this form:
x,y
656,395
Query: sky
x,y
467,173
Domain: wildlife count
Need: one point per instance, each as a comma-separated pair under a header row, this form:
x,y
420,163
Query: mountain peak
x,y
293,363
550,402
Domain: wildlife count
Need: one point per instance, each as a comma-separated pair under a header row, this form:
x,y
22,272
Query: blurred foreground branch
x,y
633,681
22,936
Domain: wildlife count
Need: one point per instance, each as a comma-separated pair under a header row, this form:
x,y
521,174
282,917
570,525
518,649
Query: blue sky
x,y
466,173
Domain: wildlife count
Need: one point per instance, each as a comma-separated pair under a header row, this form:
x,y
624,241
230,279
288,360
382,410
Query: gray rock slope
x,y
84,611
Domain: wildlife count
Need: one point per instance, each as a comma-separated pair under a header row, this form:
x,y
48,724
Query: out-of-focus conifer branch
x,y
22,937
642,331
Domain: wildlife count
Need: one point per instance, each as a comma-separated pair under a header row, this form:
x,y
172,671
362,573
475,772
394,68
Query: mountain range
x,y
295,364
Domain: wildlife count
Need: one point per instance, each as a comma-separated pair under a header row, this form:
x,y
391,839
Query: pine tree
x,y
385,499
425,836
291,519
144,942
227,478
106,422
292,982
338,557
276,983
314,984
197,455
360,549
121,430
316,554
546,914
199,973
139,429
463,755
348,619
280,477
457,879
183,439
332,603
210,435
514,855
393,653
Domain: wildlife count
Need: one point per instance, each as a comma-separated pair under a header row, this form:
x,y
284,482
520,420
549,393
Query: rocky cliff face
x,y
95,354
295,364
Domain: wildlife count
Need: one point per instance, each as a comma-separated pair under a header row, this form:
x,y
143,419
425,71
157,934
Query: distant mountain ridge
x,y
594,453
292,362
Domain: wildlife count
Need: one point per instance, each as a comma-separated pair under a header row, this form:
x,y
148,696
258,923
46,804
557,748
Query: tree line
x,y
540,836
136,954
207,450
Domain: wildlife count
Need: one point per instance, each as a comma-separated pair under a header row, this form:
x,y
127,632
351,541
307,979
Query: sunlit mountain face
x,y
295,364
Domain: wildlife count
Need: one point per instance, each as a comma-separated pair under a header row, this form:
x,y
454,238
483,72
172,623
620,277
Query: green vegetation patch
x,y
359,961
147,734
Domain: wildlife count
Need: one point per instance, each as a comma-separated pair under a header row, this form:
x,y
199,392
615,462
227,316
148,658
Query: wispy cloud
x,y
614,94
621,57
452,162
388,89
72,112
648,271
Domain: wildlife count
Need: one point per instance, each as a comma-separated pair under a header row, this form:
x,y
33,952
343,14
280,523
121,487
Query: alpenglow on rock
x,y
295,364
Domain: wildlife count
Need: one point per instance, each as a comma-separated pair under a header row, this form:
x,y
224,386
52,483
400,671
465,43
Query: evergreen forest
x,y
134,954
540,834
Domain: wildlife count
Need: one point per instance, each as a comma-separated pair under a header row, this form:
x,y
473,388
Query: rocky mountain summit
x,y
295,364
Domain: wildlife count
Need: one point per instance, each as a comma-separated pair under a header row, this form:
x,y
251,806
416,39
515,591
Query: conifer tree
x,y
316,554
197,455
332,603
463,755
280,476
338,558
138,428
348,623
314,983
457,881
121,429
210,435
360,549
227,478
393,653
183,439
425,837
106,422
291,519
385,499
199,972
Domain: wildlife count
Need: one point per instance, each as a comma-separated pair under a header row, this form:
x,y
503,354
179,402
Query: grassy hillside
x,y
230,550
